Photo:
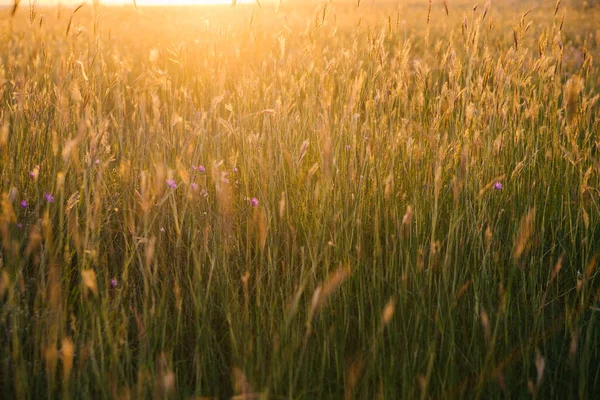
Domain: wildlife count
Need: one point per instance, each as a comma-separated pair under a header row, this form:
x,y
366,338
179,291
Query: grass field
x,y
308,201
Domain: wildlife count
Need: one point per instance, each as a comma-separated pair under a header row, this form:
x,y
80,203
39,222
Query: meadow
x,y
326,200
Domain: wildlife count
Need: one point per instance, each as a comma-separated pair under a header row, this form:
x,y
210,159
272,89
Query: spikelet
x,y
149,251
354,371
463,289
67,351
572,91
333,282
282,205
557,268
522,242
540,366
485,324
388,312
88,277
408,216
589,271
50,360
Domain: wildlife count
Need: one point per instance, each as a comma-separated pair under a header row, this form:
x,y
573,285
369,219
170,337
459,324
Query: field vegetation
x,y
300,200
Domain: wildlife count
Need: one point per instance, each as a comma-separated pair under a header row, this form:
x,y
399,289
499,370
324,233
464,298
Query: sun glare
x,y
173,2
141,3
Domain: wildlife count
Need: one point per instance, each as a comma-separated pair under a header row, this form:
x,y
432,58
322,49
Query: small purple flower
x,y
194,186
254,202
113,283
171,183
97,161
49,198
20,226
24,203
498,186
162,230
199,168
347,147
235,170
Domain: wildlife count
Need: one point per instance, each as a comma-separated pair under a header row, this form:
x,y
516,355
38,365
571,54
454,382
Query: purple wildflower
x,y
254,202
49,198
498,186
24,203
162,230
194,186
171,183
235,170
20,226
113,283
199,168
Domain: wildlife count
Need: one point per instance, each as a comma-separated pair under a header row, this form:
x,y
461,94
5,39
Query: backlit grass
x,y
308,201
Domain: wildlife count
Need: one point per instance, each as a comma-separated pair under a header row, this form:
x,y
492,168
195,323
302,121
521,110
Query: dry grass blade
x,y
71,18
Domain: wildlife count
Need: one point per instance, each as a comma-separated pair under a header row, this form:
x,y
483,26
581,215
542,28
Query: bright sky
x,y
25,3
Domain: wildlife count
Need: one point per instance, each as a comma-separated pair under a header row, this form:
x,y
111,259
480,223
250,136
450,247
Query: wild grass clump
x,y
302,201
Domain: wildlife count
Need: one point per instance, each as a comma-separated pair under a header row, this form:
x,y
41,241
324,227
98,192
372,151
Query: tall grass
x,y
328,201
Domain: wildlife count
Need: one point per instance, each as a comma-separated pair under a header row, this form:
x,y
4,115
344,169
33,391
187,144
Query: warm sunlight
x,y
173,2
140,3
